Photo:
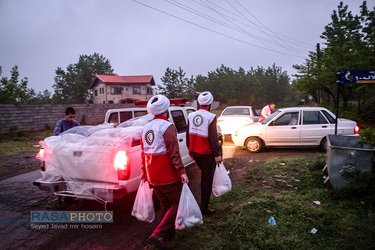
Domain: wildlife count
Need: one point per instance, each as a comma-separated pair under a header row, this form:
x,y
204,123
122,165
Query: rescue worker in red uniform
x,y
266,111
162,166
202,142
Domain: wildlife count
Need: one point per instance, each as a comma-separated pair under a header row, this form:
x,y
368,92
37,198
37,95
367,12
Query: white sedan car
x,y
234,117
293,127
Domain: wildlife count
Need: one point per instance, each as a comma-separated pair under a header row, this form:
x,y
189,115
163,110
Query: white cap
x,y
158,104
205,98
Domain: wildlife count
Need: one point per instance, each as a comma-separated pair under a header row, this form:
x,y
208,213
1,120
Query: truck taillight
x,y
122,165
356,130
40,156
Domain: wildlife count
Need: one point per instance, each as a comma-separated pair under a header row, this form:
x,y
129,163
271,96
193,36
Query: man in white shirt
x,y
266,111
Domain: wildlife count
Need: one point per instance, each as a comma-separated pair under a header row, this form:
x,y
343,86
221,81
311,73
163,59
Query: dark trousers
x,y
169,197
207,165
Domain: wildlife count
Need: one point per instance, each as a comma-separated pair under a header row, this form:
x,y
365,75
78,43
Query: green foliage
x,y
349,45
71,86
367,136
255,87
176,85
13,91
44,97
17,142
16,133
287,192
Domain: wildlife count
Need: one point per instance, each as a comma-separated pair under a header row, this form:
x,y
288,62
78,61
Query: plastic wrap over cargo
x,y
84,158
86,130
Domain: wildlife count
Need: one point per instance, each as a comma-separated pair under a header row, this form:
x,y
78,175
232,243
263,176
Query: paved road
x,y
18,197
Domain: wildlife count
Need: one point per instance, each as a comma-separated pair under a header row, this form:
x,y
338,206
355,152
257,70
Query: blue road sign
x,y
357,76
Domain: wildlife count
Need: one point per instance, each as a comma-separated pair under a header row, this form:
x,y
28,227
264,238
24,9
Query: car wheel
x,y
324,144
253,144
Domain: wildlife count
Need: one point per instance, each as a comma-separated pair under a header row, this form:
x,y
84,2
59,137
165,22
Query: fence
x,y
39,117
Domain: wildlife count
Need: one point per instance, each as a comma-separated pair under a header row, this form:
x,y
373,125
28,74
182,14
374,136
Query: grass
x,y
19,141
345,219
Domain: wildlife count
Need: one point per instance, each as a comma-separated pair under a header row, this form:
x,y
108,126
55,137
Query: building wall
x,y
126,92
38,117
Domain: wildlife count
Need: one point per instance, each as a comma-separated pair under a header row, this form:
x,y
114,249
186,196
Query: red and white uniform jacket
x,y
199,140
161,160
266,111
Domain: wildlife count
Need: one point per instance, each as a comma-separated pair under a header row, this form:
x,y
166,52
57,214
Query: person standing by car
x,y
162,166
67,123
202,142
266,111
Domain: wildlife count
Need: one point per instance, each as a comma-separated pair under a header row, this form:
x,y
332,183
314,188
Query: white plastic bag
x,y
143,208
188,214
221,183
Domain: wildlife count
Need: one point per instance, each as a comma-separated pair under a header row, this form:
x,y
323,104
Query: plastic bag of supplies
x,y
143,208
188,214
221,183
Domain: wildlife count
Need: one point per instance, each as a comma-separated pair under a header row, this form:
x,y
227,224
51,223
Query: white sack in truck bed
x,y
84,156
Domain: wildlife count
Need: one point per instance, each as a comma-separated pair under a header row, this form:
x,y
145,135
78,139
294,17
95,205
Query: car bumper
x,y
92,191
237,141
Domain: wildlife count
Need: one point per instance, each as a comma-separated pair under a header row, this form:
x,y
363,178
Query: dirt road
x,y
18,197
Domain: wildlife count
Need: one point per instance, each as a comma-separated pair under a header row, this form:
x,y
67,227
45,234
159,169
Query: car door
x,y
314,127
181,127
284,130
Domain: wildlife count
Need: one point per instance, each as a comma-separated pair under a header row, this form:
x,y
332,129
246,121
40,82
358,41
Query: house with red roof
x,y
121,89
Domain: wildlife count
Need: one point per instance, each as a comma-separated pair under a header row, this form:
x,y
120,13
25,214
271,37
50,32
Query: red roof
x,y
123,80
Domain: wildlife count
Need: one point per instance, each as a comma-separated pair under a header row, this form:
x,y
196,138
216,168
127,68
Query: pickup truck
x,y
101,162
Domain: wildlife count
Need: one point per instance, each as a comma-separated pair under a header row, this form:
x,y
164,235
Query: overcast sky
x,y
145,37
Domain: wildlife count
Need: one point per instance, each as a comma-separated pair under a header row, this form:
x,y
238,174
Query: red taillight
x,y
356,130
40,154
122,165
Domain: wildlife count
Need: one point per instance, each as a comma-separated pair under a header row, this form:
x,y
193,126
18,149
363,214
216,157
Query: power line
x,y
265,26
294,41
214,31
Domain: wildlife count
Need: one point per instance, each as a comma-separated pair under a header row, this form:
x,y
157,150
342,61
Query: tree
x,y
349,45
175,84
71,86
12,91
41,98
255,87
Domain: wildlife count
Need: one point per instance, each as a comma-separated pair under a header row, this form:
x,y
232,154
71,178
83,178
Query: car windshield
x,y
270,117
236,111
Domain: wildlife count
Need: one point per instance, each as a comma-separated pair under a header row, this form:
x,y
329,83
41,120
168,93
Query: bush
x,y
15,132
